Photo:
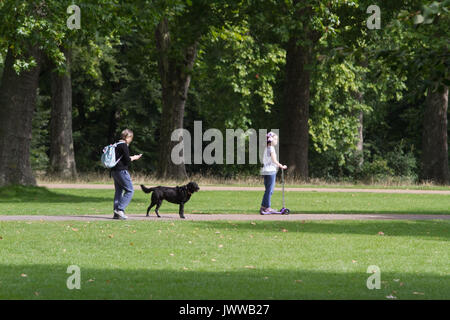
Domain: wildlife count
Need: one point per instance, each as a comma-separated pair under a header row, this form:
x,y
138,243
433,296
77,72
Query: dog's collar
x,y
187,190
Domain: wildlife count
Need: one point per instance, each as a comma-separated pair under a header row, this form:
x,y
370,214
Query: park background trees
x,y
351,103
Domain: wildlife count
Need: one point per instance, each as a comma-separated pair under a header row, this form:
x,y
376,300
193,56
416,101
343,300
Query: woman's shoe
x,y
120,215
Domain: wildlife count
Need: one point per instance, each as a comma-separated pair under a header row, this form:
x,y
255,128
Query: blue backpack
x,y
109,155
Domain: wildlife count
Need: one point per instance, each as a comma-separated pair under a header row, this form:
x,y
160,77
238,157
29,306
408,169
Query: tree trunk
x,y
175,80
114,117
434,137
62,156
360,141
17,104
294,130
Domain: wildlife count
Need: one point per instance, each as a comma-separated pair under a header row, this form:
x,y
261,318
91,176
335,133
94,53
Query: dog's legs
x,y
181,212
157,208
150,207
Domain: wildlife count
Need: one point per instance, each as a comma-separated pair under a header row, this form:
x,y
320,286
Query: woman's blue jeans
x,y
269,184
124,189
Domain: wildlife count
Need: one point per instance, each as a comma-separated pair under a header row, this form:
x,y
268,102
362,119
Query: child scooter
x,y
283,210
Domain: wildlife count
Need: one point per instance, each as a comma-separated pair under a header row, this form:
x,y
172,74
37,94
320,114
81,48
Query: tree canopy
x,y
351,102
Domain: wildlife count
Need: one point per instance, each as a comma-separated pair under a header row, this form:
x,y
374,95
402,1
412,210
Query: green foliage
x,y
232,76
238,77
334,107
115,86
394,164
45,23
403,163
419,43
377,169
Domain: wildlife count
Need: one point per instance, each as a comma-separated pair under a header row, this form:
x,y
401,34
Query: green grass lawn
x,y
338,185
247,181
225,259
160,259
41,201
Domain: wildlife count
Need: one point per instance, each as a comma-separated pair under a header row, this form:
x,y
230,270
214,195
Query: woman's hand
x,y
136,157
284,167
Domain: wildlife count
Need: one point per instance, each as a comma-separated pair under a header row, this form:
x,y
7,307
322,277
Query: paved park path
x,y
231,217
231,188
240,217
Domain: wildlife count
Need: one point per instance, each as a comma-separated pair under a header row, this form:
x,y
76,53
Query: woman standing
x,y
122,180
269,171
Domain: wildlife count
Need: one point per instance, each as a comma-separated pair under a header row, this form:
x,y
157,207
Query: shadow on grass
x,y
49,282
18,194
427,229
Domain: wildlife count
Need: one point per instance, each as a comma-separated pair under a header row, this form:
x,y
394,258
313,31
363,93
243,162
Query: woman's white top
x,y
269,166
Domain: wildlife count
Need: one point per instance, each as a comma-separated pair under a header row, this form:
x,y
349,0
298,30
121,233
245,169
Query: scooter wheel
x,y
286,211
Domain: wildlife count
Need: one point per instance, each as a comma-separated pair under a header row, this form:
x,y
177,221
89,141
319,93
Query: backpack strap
x,y
115,145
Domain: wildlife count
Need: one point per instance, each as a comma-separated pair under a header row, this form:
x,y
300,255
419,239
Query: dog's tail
x,y
146,190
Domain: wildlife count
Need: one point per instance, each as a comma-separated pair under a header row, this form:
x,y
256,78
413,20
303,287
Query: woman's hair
x,y
271,136
126,133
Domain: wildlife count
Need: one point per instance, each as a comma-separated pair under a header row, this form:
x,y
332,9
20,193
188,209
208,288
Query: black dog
x,y
178,195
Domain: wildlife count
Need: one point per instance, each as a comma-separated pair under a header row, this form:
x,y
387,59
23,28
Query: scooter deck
x,y
282,211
